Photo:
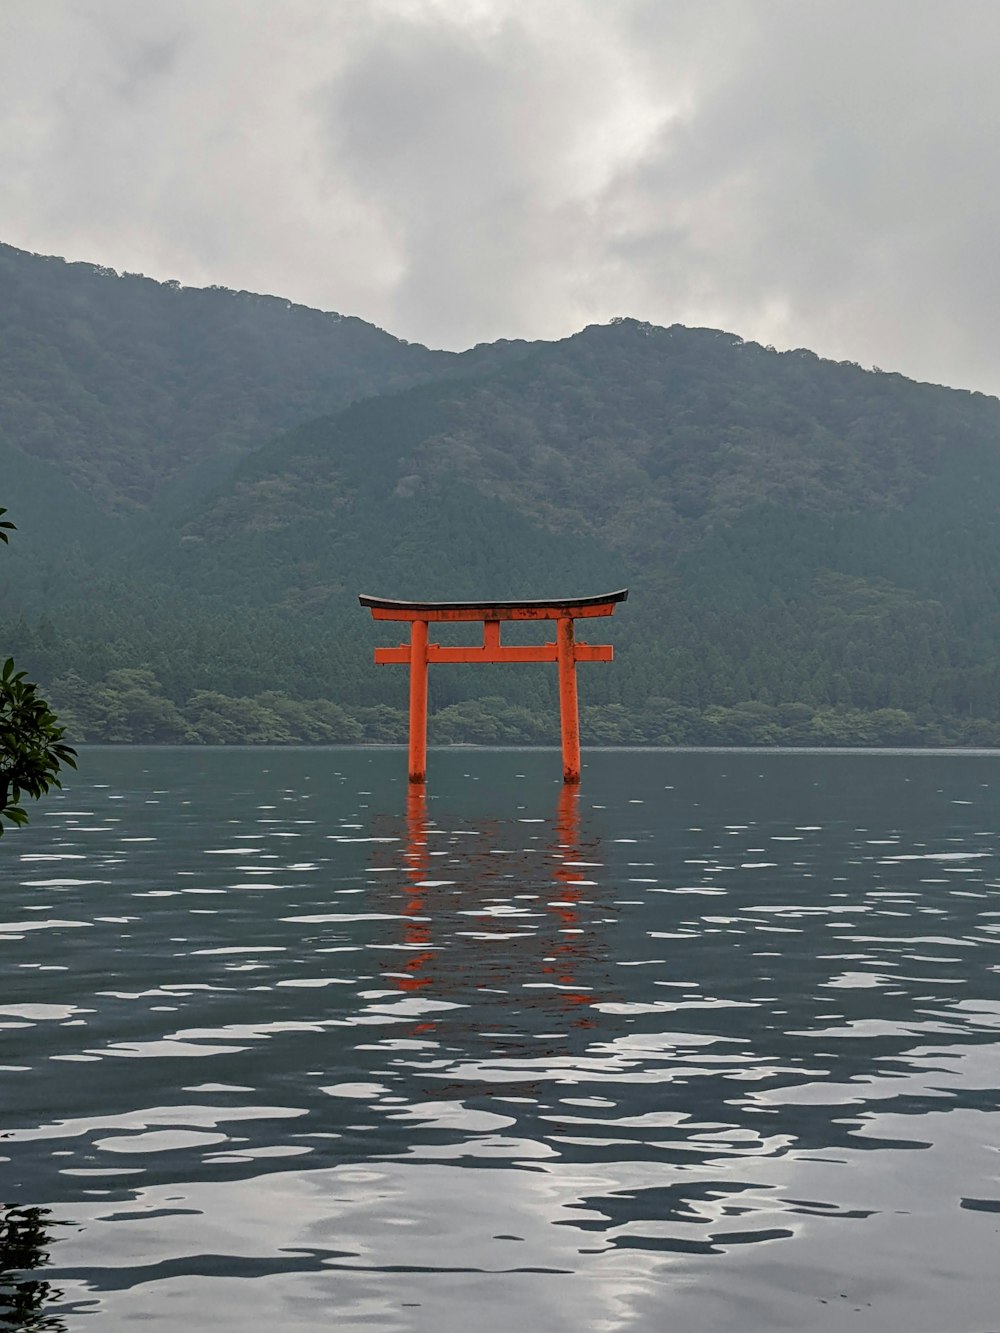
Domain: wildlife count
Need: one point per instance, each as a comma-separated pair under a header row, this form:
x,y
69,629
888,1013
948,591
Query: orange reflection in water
x,y
416,858
569,875
456,938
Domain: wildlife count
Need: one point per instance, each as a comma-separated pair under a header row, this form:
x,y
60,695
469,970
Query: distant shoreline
x,y
554,749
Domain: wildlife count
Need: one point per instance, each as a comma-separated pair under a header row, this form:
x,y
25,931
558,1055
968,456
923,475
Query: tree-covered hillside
x,y
643,438
812,549
125,382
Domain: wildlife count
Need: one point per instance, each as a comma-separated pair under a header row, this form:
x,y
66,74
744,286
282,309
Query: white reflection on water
x,y
454,1063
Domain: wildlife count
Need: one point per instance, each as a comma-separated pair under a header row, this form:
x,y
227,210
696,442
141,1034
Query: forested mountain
x,y
125,382
812,548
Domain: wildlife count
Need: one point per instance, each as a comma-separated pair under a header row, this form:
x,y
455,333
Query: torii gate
x,y
565,651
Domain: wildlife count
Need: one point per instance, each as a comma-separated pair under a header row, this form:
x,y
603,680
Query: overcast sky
x,y
819,173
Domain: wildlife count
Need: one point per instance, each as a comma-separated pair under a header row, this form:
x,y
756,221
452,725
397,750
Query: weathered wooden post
x,y
418,701
569,707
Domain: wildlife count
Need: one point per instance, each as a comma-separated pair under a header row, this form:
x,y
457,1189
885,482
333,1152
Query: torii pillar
x,y
565,652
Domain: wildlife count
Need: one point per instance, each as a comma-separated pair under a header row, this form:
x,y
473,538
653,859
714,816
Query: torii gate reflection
x,y
547,959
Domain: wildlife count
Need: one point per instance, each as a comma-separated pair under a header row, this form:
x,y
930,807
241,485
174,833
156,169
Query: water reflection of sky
x,y
714,1038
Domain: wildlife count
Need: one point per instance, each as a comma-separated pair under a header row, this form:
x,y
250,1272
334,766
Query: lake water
x,y
711,1045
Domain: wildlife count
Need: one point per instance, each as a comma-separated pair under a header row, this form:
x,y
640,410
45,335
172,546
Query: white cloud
x,y
807,174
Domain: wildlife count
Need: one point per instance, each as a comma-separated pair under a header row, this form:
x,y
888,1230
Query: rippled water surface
x,y
711,1045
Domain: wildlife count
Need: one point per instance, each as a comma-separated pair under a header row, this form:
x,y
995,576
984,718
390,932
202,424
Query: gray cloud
x,y
815,174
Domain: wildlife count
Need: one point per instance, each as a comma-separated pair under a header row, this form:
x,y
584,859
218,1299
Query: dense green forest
x,y
204,481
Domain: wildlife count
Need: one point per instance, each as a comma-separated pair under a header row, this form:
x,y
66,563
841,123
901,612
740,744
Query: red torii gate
x,y
565,651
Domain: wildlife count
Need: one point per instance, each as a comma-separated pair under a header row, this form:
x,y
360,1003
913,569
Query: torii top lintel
x,y
559,608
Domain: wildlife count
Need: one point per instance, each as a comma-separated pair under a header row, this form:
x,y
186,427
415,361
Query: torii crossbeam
x,y
419,653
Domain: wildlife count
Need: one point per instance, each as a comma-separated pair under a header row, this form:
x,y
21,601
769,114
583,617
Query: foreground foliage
x,y
32,749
